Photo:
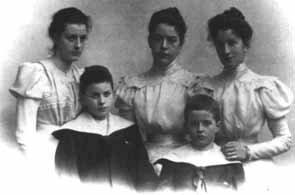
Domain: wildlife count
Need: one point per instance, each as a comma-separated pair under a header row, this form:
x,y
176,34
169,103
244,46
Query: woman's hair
x,y
230,19
70,15
94,74
202,102
170,16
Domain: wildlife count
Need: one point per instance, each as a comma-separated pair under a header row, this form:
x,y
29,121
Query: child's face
x,y
201,127
98,99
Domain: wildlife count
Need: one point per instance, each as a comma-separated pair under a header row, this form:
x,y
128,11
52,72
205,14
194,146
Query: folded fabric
x,y
118,158
181,175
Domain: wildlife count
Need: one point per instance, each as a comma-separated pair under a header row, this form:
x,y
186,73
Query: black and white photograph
x,y
147,97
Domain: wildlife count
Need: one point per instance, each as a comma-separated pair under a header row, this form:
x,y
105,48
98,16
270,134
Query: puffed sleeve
x,y
276,99
200,85
124,99
30,81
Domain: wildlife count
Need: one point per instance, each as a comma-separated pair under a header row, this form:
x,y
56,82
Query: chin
x,y
100,116
164,63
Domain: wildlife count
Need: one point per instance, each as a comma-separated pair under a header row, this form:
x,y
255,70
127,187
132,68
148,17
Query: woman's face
x,y
230,49
70,44
165,44
98,100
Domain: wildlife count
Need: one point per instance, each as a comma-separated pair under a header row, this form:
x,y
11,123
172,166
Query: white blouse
x,y
247,101
46,96
156,100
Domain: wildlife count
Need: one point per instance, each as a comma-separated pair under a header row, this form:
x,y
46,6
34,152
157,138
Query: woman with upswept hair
x,y
248,100
47,90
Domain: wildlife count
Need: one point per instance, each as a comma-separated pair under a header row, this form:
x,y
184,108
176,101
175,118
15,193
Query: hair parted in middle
x,y
230,19
170,16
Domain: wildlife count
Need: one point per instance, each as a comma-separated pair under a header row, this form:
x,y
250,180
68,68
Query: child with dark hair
x,y
200,165
98,146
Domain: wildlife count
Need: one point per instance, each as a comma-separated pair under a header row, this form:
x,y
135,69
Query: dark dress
x,y
185,176
118,158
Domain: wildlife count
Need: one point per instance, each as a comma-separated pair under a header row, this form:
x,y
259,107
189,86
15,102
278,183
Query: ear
x,y
81,100
218,126
149,40
245,48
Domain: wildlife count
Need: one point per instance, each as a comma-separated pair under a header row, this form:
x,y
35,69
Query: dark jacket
x,y
118,158
180,176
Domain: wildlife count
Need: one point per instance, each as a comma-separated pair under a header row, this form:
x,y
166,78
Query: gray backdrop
x,y
118,40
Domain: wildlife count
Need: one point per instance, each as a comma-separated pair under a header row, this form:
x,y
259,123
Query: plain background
x,y
119,41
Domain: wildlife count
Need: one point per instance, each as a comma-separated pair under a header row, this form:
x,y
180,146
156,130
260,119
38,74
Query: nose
x,y
200,128
78,43
164,44
101,100
226,49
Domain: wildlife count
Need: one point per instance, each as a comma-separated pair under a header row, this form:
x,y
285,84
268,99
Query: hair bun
x,y
234,13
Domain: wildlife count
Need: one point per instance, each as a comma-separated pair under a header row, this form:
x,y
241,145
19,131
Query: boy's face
x,y
201,127
98,99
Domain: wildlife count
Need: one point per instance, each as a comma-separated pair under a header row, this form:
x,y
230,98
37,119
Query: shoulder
x,y
202,84
184,77
31,67
137,81
78,123
118,122
31,81
77,71
276,97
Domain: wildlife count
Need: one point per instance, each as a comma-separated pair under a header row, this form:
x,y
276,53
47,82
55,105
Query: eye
x,y
207,122
156,37
232,43
107,94
172,40
71,38
218,43
83,38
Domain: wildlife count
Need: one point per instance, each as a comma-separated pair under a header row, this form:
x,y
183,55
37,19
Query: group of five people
x,y
181,130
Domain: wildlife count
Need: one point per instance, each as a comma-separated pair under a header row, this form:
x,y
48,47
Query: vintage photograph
x,y
147,97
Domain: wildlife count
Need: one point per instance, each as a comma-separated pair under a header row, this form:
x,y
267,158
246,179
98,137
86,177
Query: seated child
x,y
100,146
200,163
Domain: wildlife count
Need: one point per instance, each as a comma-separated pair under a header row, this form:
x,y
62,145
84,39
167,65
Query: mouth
x,y
76,53
163,55
201,137
228,59
102,109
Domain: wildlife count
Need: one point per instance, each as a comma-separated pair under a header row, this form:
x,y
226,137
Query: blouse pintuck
x,y
52,90
156,99
248,100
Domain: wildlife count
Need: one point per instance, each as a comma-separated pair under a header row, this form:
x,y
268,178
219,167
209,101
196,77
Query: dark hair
x,y
70,15
170,16
94,74
231,19
202,102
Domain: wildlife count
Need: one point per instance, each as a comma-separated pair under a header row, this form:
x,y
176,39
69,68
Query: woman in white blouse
x,y
156,99
47,90
248,100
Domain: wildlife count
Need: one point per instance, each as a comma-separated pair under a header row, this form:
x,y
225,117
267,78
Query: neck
x,y
203,148
162,68
61,64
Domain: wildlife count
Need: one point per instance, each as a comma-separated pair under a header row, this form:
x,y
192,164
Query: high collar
x,y
170,69
236,73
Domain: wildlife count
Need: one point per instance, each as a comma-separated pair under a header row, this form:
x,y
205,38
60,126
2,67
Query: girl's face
x,y
230,49
70,44
165,44
98,99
